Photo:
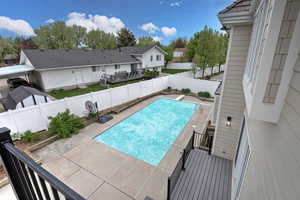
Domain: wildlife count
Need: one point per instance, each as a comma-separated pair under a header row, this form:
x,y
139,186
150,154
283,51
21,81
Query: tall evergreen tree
x,y
125,38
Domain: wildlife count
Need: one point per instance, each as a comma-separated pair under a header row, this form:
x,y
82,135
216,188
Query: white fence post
x,y
13,120
42,115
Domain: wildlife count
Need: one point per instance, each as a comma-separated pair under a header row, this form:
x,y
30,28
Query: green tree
x,y
125,38
179,43
55,36
146,41
79,34
202,48
222,49
6,47
97,39
169,50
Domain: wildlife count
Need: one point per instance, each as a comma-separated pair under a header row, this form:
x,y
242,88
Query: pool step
x,y
179,98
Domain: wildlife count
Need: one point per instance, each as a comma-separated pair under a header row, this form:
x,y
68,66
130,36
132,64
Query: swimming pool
x,y
149,133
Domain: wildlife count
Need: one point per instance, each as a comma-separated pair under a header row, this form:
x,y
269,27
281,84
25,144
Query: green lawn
x,y
174,71
61,93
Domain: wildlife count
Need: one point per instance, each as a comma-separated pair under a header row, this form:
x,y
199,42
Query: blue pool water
x,y
149,133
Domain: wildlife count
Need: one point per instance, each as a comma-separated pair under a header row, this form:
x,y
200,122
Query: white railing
x,y
35,118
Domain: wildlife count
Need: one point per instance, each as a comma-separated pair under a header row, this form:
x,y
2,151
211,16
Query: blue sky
x,y
162,19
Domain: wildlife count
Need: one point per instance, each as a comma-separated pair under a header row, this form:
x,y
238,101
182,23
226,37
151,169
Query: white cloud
x,y
176,4
168,31
17,26
93,22
150,27
50,21
157,39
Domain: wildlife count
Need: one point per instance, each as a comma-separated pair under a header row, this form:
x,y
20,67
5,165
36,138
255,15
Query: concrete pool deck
x,y
97,171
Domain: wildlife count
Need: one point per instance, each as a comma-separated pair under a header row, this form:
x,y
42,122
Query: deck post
x,y
9,166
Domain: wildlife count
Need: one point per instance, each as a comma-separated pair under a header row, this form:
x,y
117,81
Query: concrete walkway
x,y
97,171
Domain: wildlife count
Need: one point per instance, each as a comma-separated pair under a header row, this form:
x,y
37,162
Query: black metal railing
x,y
198,140
180,166
29,180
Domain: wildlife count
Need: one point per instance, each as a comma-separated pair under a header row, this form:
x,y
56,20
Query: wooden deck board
x,y
206,177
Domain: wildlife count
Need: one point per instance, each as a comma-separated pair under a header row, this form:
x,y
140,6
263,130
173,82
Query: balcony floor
x,y
206,177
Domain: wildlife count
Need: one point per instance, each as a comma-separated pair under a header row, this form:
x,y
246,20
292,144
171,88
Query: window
x,y
117,66
158,57
257,39
151,58
241,161
96,68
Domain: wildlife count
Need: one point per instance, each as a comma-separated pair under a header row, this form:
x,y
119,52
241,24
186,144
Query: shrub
x,y
91,115
204,94
65,124
151,74
28,136
186,91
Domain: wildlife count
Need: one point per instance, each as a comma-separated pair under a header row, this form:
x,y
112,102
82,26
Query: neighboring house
x,y
68,69
24,97
11,59
179,54
258,120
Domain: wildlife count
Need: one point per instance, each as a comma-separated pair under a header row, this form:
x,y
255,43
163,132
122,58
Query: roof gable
x,y
237,6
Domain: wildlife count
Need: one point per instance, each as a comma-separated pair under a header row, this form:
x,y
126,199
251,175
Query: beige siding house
x,y
261,96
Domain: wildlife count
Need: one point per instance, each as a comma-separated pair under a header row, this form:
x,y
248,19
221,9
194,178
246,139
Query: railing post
x,y
183,160
169,189
9,167
194,139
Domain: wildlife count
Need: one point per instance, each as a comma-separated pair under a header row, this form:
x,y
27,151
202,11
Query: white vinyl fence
x,y
207,71
35,118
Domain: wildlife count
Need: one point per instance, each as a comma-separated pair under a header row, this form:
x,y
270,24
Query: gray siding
x,y
232,97
274,166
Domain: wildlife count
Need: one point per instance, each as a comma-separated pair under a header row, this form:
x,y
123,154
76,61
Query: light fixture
x,y
228,123
194,127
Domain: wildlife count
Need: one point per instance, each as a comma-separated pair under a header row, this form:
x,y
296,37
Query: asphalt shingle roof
x,y
237,6
19,94
47,59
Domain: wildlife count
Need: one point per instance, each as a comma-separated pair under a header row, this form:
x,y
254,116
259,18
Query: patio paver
x,y
84,182
108,192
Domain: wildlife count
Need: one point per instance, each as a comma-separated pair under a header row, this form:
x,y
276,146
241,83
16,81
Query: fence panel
x,y
146,87
35,120
52,108
7,120
103,99
134,91
77,104
194,84
119,95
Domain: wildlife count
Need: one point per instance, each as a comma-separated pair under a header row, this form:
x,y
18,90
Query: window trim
x,y
239,144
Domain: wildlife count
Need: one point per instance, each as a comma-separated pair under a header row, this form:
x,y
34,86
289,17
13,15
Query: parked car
x,y
16,82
